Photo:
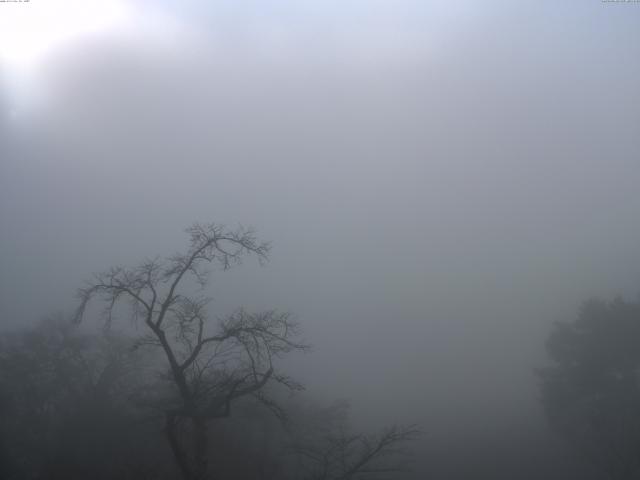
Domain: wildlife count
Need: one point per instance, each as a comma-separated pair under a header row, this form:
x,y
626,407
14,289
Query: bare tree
x,y
344,456
323,446
210,365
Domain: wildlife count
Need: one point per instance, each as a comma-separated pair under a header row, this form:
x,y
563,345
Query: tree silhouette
x,y
591,393
325,447
55,382
210,364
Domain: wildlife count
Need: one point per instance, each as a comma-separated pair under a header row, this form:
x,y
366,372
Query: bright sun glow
x,y
29,30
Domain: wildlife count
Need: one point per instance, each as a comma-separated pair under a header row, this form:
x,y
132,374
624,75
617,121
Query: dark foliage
x,y
591,393
65,405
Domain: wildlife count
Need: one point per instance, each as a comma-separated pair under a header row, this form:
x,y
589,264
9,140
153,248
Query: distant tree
x,y
211,365
64,403
591,392
326,449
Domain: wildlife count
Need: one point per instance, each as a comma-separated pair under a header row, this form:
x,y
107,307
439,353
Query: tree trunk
x,y
180,456
191,467
200,440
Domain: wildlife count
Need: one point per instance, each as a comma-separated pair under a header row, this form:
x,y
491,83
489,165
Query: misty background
x,y
441,181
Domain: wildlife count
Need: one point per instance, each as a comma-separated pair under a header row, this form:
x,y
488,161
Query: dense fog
x,y
440,182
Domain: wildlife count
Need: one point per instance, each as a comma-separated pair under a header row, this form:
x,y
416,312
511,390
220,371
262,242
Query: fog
x,y
440,183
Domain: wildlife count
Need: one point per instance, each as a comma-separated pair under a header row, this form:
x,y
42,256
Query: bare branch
x,y
345,456
209,366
